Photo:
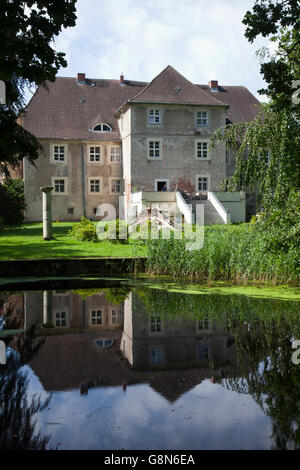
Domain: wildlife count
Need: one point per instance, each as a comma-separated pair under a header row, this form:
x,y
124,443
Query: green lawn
x,y
27,242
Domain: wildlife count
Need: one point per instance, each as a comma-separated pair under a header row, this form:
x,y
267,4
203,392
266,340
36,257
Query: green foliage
x,y
12,203
27,57
275,132
234,252
85,230
116,295
281,22
113,230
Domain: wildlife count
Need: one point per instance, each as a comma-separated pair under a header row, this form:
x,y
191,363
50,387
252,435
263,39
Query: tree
x,y
267,148
279,20
27,58
12,203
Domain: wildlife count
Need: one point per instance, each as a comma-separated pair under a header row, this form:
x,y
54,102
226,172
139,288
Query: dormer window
x,y
102,127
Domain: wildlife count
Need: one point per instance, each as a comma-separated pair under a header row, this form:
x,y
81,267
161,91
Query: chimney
x,y
213,85
122,79
81,78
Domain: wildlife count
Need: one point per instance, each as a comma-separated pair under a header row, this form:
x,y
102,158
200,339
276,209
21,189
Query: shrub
x,y
12,203
85,230
113,230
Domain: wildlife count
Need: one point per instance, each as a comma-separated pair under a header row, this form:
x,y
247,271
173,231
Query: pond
x,y
145,368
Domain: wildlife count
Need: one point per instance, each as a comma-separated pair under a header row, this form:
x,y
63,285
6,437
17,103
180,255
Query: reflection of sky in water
x,y
207,417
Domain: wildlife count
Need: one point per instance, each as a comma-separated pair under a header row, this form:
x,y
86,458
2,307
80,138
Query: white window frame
x,y
265,158
203,175
155,325
160,180
115,151
153,114
65,311
116,316
97,162
202,141
201,126
52,147
94,178
101,124
96,310
66,185
203,323
111,185
154,140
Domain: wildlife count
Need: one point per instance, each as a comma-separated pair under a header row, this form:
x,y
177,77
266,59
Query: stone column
x,y
47,306
47,212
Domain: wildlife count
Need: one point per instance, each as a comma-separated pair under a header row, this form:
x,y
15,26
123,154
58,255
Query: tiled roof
x,y
66,110
171,87
243,106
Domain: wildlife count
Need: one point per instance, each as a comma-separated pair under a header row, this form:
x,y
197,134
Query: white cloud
x,y
203,40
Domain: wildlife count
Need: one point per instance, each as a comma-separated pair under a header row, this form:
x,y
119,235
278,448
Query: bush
x,y
12,203
112,231
83,231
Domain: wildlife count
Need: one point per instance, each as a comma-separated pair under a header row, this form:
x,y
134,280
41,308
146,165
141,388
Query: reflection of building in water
x,y
150,342
68,311
171,355
13,309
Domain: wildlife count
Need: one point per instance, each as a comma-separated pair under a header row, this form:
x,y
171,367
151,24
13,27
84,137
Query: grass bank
x,y
27,243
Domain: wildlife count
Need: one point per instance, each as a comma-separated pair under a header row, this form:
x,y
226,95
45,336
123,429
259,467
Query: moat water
x,y
141,368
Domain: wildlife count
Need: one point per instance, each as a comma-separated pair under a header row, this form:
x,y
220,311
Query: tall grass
x,y
233,252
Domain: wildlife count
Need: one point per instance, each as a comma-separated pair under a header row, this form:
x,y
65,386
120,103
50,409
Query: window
x,y
156,356
154,116
95,154
203,322
265,156
201,118
104,343
115,186
96,317
202,352
155,324
94,186
115,155
59,186
102,128
59,153
116,316
202,149
154,151
202,183
70,211
60,319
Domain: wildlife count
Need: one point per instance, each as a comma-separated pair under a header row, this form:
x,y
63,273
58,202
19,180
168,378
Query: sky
x,y
202,39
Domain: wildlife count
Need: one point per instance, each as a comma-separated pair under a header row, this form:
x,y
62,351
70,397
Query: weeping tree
x,y
267,155
267,148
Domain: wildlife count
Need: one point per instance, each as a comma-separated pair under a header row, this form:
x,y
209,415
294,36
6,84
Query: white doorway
x,y
161,183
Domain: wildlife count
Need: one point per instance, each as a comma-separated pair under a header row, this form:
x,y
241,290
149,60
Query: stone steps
x,y
211,216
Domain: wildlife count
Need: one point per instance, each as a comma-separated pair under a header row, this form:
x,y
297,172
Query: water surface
x,y
150,369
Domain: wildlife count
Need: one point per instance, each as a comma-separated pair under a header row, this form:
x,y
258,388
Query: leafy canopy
x,y
27,58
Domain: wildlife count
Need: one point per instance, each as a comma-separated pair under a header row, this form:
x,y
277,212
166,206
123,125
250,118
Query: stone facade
x,y
178,136
78,173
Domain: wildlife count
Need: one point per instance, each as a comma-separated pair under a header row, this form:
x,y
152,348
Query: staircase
x,y
211,216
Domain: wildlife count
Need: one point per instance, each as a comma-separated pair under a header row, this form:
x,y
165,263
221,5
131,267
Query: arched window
x,y
102,128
